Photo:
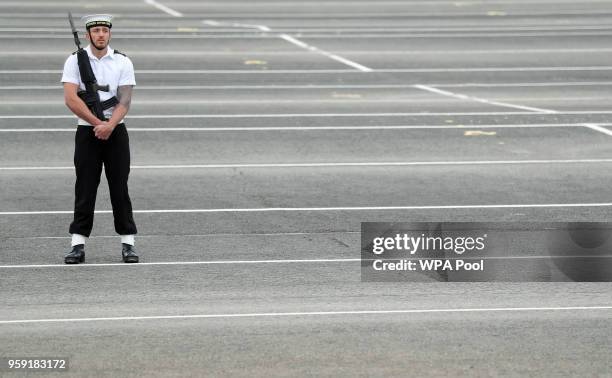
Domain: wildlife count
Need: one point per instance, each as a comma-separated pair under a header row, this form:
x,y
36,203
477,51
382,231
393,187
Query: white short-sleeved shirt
x,y
112,69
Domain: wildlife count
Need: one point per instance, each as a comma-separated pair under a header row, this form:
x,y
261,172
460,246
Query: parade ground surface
x,y
262,134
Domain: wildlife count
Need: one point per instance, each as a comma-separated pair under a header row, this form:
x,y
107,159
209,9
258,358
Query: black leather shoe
x,y
77,255
129,254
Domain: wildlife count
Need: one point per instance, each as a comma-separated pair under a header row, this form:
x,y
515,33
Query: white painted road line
x,y
318,128
317,50
176,53
332,86
336,71
505,104
481,100
504,85
323,209
152,36
357,100
220,234
325,13
164,8
283,16
391,36
335,30
339,29
598,128
278,101
262,28
286,261
158,263
312,313
330,165
317,115
339,71
296,42
333,36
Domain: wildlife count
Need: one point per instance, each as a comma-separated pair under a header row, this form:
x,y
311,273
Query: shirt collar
x,y
109,53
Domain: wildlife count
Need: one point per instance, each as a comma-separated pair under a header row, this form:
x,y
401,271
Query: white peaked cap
x,y
97,20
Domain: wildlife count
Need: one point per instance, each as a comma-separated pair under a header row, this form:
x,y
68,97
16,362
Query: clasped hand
x,y
103,130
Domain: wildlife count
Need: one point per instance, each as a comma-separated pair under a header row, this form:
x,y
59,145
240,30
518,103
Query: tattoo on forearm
x,y
124,95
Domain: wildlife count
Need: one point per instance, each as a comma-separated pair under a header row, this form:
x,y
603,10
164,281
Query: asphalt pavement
x,y
262,134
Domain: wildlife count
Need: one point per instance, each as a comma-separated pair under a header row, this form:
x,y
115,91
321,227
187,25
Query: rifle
x,y
90,95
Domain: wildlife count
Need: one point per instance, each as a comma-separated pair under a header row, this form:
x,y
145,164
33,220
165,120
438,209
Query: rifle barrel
x,y
74,31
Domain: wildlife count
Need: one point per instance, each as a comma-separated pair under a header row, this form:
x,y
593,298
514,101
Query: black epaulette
x,y
75,52
120,53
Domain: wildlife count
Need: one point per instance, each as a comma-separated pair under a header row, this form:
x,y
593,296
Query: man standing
x,y
101,142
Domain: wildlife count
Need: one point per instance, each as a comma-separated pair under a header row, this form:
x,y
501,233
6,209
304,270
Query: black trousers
x,y
90,153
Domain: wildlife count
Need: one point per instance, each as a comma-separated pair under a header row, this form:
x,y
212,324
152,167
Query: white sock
x,y
78,239
127,239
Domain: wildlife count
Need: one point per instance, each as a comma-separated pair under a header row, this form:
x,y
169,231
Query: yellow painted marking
x,y
187,30
479,133
496,13
346,95
255,62
449,121
463,3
